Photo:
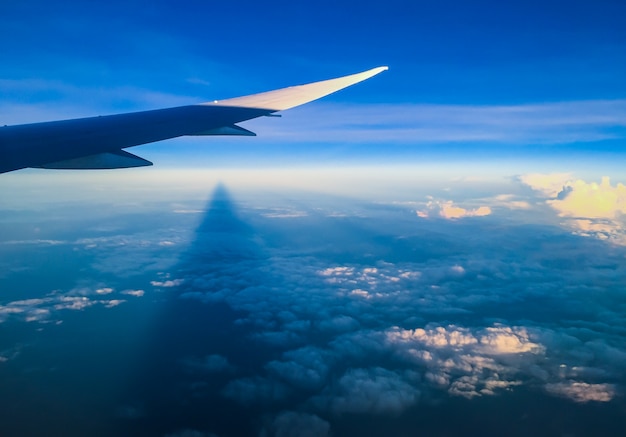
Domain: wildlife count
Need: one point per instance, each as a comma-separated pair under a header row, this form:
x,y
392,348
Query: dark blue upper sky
x,y
449,51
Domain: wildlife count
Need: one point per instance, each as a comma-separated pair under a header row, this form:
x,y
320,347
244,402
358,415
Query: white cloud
x,y
550,185
42,309
510,201
592,209
507,340
112,303
582,391
448,210
591,200
136,293
167,283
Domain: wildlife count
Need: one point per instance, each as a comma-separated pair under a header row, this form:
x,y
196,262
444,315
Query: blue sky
x,y
467,79
460,52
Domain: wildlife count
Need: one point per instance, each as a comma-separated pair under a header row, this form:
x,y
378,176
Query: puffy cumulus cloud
x,y
42,309
412,320
448,210
167,283
439,336
468,363
591,208
136,252
368,391
582,391
294,424
508,340
358,310
28,309
136,293
591,200
307,367
550,185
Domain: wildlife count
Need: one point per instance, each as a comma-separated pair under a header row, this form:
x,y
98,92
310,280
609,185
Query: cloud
x,y
582,392
591,200
467,362
167,283
136,293
545,123
306,368
509,201
387,316
284,213
550,185
42,309
592,209
294,424
448,210
368,391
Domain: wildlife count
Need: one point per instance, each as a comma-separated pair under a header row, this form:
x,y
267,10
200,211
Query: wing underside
x,y
99,161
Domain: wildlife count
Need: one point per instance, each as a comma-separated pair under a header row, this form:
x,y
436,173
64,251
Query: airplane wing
x,y
97,142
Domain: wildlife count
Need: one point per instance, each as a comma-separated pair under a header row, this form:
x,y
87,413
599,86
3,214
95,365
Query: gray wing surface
x,y
97,142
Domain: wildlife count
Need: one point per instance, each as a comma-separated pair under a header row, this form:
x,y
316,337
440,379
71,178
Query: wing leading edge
x,y
97,142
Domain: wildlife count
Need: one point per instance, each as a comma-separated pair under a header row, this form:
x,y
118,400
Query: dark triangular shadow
x,y
168,388
221,215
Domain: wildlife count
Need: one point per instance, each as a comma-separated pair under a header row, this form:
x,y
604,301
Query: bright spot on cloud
x,y
582,391
136,293
548,184
448,210
593,209
168,283
591,200
509,201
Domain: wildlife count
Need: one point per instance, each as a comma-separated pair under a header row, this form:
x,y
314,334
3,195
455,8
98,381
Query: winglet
x,y
293,96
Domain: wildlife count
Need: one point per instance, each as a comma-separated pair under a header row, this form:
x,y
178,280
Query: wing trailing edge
x,y
233,130
100,161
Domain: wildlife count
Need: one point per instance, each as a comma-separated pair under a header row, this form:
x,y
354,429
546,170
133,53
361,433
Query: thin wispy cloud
x,y
542,123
